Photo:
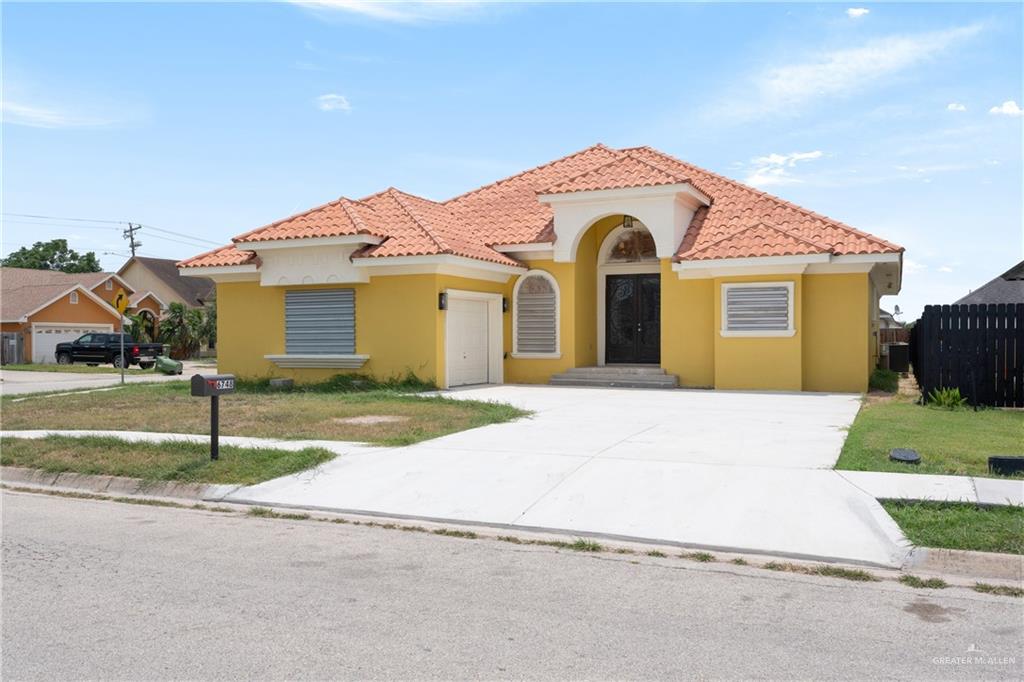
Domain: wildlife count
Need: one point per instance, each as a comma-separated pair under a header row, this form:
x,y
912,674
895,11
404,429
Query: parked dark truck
x,y
100,349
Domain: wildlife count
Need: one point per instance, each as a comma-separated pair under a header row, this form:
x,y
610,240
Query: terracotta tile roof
x,y
740,222
333,219
420,227
734,206
507,211
224,256
620,173
760,239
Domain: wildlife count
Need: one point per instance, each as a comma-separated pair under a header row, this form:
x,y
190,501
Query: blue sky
x,y
209,120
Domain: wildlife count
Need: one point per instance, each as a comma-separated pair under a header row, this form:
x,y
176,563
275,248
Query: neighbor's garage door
x,y
45,337
467,342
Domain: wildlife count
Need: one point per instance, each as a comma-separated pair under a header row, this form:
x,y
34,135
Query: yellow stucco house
x,y
607,265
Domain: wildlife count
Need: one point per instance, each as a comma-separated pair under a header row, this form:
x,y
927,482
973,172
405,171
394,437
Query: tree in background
x,y
210,324
184,330
143,328
52,255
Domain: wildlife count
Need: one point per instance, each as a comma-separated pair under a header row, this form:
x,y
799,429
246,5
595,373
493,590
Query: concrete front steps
x,y
618,376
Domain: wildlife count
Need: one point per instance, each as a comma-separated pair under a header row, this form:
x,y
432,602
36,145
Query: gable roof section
x,y
741,221
26,292
1006,288
420,227
194,290
623,172
341,217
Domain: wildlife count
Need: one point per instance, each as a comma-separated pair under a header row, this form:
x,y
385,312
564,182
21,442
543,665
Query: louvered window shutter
x,y
536,316
757,309
320,322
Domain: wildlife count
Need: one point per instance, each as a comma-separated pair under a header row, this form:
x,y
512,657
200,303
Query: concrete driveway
x,y
715,469
14,382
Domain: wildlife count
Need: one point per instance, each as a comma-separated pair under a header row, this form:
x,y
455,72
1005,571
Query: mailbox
x,y
206,385
213,386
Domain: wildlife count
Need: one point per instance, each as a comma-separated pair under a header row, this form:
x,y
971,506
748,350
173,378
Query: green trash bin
x,y
168,366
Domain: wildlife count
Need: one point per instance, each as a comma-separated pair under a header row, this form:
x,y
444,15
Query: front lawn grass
x,y
954,525
255,411
955,442
185,462
77,369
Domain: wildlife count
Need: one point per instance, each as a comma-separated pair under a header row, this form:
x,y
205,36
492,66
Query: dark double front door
x,y
632,319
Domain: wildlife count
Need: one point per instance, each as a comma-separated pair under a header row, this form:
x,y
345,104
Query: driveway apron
x,y
744,471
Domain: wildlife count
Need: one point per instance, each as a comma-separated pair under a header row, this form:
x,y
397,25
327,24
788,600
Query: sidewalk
x,y
816,514
974,489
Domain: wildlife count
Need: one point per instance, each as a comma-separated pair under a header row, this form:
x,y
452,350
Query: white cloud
x,y
912,267
840,72
774,169
1007,108
332,102
945,268
41,117
857,12
397,12
955,106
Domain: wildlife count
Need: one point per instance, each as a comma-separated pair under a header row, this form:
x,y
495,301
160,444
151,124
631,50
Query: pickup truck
x,y
100,349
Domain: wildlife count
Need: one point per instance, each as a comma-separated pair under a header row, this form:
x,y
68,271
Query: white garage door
x,y
467,342
46,337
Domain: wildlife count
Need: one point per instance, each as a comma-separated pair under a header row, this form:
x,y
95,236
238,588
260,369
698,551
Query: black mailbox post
x,y
214,386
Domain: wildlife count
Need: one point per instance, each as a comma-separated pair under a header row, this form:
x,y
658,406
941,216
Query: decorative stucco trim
x,y
311,361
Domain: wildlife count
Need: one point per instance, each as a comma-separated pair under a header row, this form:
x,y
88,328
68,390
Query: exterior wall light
x,y
627,222
442,301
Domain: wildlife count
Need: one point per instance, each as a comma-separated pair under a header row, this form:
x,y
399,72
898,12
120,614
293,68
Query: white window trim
x,y
73,298
558,318
790,331
108,284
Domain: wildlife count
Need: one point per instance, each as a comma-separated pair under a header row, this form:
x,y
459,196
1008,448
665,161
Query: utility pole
x,y
129,234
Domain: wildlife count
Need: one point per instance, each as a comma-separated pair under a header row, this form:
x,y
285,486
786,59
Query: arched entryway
x,y
628,296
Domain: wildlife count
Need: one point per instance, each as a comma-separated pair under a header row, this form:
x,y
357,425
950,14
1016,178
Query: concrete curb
x,y
119,485
959,565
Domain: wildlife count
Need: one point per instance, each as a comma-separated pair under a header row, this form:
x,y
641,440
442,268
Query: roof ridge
x,y
620,159
797,207
398,195
286,219
592,147
353,215
760,223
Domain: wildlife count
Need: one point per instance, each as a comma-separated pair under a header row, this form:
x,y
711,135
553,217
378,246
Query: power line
x,y
180,234
131,229
77,220
178,241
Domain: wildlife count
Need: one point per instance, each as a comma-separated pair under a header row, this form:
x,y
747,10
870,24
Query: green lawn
x,y
949,441
186,462
76,369
960,526
389,417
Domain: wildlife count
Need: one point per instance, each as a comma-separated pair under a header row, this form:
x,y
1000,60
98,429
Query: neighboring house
x,y
44,307
160,279
887,321
1006,288
604,257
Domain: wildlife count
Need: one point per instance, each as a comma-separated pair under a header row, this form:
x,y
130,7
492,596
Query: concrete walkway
x,y
721,470
929,487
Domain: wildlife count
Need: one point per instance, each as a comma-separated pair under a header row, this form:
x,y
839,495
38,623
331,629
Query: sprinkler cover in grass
x,y
905,455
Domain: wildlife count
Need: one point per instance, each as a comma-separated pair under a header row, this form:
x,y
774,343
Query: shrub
x,y
947,398
884,380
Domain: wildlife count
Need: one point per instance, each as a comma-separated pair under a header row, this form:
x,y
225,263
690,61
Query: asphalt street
x,y
101,590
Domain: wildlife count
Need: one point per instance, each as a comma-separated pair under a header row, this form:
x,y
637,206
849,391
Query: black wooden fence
x,y
976,348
